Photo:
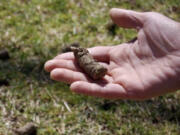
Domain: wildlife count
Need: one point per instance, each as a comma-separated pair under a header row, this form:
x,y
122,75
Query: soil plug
x,y
28,129
67,48
88,64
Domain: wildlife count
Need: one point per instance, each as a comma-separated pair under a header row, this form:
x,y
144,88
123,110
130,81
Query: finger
x,y
100,53
60,63
67,64
110,91
65,56
104,65
67,76
127,18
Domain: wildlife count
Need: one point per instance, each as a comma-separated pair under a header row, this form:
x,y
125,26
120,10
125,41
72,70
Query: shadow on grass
x,y
156,110
30,68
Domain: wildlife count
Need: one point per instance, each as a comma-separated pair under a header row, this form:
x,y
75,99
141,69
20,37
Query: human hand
x,y
148,67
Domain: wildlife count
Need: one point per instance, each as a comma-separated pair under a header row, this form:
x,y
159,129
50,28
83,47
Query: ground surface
x,y
33,32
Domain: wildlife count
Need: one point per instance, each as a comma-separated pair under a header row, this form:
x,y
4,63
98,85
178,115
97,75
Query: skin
x,y
146,68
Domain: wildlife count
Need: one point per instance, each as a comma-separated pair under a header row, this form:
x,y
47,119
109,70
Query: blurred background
x,y
33,31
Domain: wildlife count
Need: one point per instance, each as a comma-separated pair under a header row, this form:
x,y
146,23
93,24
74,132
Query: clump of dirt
x,y
88,64
66,48
28,129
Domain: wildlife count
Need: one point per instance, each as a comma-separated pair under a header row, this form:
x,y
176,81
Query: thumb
x,y
127,18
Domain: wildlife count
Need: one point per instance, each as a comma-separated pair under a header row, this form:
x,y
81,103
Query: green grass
x,y
33,31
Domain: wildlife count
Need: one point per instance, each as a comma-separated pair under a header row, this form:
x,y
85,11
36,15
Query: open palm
x,y
142,69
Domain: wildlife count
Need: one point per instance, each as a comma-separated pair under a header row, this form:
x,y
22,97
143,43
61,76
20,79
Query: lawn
x,y
33,31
